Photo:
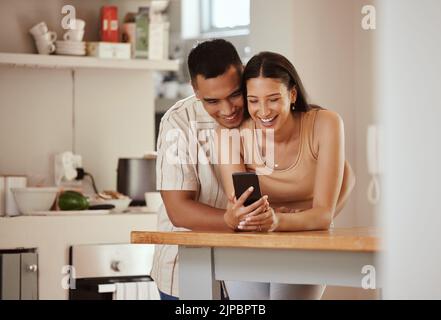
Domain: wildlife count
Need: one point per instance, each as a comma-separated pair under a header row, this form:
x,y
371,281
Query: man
x,y
190,185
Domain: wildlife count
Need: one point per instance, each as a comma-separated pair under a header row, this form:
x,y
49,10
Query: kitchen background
x,y
107,114
104,114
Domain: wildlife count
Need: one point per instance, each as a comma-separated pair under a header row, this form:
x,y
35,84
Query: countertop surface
x,y
59,214
82,213
359,239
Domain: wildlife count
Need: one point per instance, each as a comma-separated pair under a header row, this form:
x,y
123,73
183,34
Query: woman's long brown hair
x,y
273,65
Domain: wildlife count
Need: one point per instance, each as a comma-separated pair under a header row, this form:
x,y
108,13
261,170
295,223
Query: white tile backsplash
x,y
111,116
114,118
35,120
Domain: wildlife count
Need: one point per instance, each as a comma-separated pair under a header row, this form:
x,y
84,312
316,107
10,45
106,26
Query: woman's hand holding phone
x,y
236,210
265,221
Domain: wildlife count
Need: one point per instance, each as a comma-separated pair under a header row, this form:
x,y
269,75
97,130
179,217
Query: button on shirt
x,y
185,146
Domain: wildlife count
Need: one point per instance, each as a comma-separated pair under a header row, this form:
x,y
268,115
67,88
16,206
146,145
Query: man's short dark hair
x,y
213,58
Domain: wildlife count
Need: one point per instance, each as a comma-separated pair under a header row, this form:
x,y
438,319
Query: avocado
x,y
72,200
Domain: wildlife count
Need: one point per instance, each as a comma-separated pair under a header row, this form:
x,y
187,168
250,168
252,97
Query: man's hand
x,y
237,211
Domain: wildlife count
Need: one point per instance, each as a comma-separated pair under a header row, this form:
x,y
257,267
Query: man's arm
x,y
185,212
177,181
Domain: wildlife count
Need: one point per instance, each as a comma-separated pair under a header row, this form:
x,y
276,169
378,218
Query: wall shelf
x,y
71,62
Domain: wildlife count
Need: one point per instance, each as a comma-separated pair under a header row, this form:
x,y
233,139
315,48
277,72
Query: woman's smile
x,y
269,102
268,122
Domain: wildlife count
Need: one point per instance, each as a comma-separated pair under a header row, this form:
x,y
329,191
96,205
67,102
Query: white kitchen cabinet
x,y
18,274
52,236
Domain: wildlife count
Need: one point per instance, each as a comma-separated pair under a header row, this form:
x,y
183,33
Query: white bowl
x,y
120,204
30,200
159,5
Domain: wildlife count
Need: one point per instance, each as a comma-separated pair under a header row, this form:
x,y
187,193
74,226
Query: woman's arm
x,y
327,185
328,179
227,151
227,166
346,188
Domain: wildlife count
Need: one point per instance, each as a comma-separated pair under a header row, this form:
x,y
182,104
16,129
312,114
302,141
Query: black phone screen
x,y
242,181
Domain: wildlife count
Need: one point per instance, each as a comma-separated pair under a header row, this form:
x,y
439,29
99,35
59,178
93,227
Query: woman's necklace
x,y
275,165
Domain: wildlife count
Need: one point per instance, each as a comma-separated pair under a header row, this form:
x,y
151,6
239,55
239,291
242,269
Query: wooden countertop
x,y
341,239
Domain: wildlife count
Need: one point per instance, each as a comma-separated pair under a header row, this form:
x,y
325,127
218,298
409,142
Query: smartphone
x,y
242,181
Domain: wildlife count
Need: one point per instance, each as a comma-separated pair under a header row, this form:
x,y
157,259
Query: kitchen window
x,y
225,16
217,18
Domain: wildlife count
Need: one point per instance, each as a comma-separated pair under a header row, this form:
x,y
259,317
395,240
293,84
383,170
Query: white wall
x,y
114,119
318,38
35,121
271,26
409,78
111,116
366,110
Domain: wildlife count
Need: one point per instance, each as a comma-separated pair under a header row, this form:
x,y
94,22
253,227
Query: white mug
x,y
10,206
45,47
49,36
153,201
78,24
39,29
74,35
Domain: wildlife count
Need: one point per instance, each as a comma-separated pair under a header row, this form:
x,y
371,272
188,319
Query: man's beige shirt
x,y
185,143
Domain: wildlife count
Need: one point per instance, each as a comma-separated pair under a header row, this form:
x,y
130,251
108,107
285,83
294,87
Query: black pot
x,y
135,177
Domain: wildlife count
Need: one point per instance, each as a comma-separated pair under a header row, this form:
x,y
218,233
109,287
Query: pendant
x,y
266,164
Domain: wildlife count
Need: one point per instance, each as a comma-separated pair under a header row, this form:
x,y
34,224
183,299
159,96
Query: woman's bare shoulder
x,y
327,120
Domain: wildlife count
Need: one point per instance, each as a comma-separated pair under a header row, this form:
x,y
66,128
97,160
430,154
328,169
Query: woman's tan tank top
x,y
294,186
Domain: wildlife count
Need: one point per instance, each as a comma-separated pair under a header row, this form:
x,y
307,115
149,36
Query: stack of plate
x,y
71,48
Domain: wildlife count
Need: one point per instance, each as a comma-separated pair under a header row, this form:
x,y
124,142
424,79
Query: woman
x,y
304,163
